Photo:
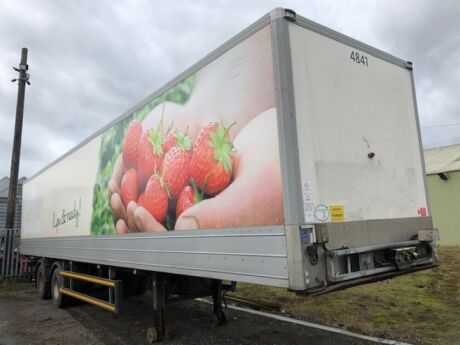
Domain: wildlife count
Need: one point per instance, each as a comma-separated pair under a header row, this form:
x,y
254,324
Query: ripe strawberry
x,y
150,155
176,166
175,139
188,197
170,141
155,199
131,144
140,199
212,161
129,189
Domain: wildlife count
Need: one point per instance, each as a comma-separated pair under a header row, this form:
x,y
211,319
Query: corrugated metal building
x,y
4,187
443,170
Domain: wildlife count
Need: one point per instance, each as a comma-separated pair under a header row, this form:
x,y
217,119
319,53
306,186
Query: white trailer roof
x,y
442,159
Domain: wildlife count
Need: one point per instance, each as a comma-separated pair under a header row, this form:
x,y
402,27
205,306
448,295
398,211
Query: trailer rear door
x,y
359,142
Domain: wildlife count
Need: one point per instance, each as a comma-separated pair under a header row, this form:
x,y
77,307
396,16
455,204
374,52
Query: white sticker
x,y
322,213
308,205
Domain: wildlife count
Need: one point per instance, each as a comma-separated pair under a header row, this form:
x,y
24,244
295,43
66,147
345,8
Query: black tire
x,y
59,300
43,283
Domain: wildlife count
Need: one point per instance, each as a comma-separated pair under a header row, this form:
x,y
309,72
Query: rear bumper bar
x,y
364,280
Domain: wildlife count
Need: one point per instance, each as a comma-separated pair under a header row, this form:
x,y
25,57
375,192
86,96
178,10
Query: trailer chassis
x,y
61,280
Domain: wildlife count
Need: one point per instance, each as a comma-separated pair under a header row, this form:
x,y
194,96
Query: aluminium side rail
x,y
253,255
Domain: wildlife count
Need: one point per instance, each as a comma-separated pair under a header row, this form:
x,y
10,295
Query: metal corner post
x,y
419,132
287,127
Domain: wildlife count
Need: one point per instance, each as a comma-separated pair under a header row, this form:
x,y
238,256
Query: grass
x,y
421,308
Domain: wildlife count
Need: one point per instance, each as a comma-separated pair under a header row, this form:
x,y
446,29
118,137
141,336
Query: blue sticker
x,y
305,236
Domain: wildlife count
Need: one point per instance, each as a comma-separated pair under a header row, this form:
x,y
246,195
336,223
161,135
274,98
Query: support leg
x,y
157,331
217,301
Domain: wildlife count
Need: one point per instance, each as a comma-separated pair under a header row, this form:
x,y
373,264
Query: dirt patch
x,y
24,319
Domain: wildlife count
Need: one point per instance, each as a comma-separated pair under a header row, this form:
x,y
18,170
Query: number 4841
x,y
359,58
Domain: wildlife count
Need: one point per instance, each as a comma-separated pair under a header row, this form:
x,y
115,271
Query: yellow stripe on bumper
x,y
88,278
88,299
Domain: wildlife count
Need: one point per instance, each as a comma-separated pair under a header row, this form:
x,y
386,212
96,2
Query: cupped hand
x,y
128,219
137,219
118,209
255,197
133,218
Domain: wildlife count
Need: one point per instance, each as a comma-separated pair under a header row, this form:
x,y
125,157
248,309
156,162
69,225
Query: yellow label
x,y
337,213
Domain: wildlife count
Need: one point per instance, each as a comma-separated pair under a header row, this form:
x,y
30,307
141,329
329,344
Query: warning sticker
x,y
337,213
422,211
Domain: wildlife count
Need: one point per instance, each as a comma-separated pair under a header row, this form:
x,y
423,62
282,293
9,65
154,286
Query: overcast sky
x,y
92,60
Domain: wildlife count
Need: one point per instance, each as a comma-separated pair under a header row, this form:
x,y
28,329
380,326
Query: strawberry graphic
x,y
155,198
150,155
140,199
188,197
131,144
175,139
129,189
170,141
176,165
212,161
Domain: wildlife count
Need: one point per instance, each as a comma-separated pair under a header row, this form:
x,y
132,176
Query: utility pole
x,y
22,80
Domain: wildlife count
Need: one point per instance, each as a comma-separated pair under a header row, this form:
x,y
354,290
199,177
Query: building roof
x,y
5,185
442,159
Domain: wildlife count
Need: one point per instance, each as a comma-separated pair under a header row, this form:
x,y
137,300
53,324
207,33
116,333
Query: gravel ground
x,y
25,319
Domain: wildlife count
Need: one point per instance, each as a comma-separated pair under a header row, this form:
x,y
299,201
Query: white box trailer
x,y
309,174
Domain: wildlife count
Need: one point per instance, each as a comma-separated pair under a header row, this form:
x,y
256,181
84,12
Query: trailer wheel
x,y
43,284
59,300
152,335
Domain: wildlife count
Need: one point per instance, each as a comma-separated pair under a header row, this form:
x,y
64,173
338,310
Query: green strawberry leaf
x,y
223,147
198,194
156,139
183,141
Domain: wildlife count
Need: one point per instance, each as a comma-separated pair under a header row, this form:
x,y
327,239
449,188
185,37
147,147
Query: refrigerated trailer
x,y
315,180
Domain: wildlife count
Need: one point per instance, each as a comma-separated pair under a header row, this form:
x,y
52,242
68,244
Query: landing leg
x,y
157,332
219,316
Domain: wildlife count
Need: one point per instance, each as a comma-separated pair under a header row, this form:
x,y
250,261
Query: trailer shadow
x,y
26,319
190,323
